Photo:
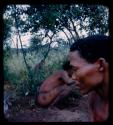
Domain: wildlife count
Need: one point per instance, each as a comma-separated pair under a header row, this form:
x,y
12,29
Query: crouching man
x,y
55,87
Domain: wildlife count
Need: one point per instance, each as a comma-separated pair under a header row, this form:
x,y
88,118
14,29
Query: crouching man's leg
x,y
66,90
51,97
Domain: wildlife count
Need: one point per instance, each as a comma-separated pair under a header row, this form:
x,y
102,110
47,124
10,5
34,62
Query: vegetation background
x,y
51,30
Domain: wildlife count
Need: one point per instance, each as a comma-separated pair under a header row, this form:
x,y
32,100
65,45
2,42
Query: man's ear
x,y
102,64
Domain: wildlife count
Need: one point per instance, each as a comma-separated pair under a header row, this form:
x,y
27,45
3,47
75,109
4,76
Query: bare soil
x,y
25,110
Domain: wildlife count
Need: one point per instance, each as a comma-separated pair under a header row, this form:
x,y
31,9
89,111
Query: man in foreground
x,y
89,60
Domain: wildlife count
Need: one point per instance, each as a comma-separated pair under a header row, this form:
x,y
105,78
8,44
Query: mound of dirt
x,y
78,111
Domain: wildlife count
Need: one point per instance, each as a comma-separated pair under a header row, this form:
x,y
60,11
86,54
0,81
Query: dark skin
x,y
54,88
93,78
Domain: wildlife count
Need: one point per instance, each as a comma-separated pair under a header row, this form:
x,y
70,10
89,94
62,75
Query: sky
x,y
26,39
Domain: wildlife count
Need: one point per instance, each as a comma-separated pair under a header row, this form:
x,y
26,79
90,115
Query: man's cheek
x,y
85,82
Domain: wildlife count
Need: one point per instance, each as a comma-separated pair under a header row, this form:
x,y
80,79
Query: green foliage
x,y
36,44
56,17
15,70
7,28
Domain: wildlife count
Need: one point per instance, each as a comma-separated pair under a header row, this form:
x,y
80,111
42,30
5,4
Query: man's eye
x,y
75,70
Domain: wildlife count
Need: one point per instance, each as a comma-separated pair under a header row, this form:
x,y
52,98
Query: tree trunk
x,y
39,65
71,33
74,28
16,24
67,37
17,44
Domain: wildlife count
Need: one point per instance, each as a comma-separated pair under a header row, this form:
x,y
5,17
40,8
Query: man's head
x,y
89,61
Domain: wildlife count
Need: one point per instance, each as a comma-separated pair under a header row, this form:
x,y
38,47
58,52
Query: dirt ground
x,y
25,110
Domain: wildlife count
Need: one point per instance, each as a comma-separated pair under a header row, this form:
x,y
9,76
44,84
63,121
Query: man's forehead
x,y
75,58
73,55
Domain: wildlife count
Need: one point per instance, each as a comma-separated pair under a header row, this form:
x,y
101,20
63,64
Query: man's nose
x,y
73,76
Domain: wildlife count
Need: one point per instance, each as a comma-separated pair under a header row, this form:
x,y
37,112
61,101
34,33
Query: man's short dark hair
x,y
92,47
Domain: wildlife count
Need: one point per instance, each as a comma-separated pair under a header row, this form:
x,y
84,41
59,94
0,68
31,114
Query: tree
x,y
91,18
73,20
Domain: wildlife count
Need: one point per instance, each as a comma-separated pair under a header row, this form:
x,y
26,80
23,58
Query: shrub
x,y
27,82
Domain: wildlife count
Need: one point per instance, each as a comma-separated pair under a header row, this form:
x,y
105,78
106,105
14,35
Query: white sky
x,y
26,39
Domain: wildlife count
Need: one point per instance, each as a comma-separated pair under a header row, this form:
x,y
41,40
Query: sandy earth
x,y
24,110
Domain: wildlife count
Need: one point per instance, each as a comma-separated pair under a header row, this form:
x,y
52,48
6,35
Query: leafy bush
x,y
25,82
